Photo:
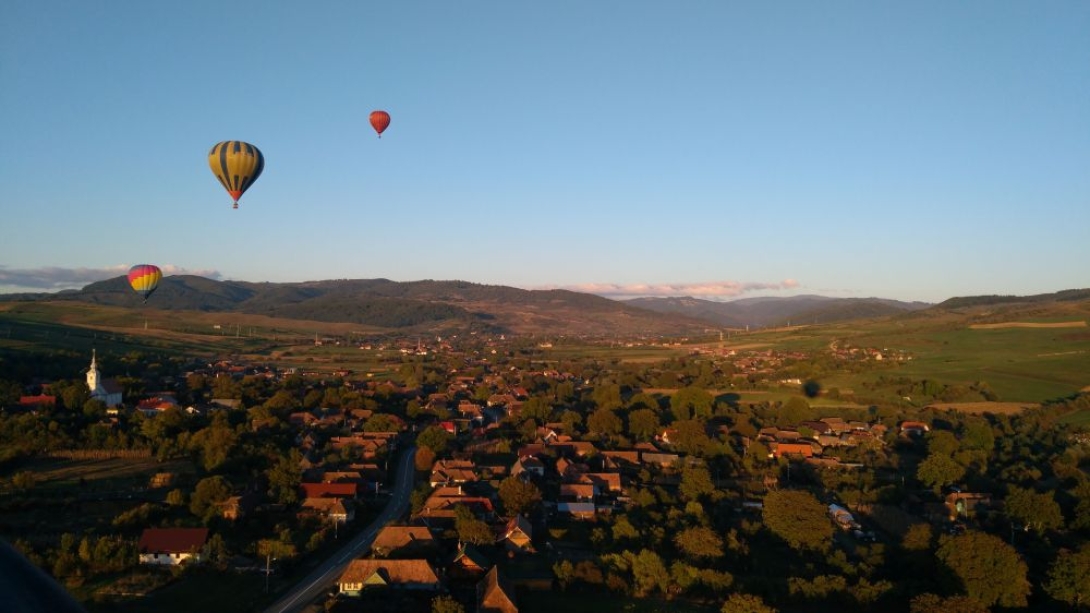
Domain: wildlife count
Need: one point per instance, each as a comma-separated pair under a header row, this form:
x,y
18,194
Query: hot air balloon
x,y
144,278
237,165
380,120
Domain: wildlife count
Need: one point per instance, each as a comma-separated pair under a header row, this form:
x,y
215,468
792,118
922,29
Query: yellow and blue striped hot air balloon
x,y
144,278
237,165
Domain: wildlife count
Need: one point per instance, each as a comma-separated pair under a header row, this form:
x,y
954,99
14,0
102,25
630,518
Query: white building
x,y
106,390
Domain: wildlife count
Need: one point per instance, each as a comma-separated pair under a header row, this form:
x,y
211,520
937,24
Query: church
x,y
106,390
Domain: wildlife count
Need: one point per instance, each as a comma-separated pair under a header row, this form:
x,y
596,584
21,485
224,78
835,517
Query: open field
x,y
1029,324
977,408
102,473
1029,357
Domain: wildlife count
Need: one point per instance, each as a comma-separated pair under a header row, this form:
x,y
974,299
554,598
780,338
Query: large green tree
x,y
699,542
1069,577
799,518
691,402
938,470
746,603
518,496
985,568
1036,510
209,492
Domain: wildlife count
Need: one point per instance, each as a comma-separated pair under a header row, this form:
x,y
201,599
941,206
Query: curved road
x,y
326,574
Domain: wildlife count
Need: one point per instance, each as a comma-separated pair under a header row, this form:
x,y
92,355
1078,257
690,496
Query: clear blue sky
x,y
720,149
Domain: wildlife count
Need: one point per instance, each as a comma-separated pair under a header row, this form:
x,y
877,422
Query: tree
x,y
470,529
690,437
176,497
446,604
649,573
285,476
605,422
798,518
690,402
1069,577
538,409
942,442
209,492
1032,509
434,438
381,422
696,482
518,496
746,603
424,459
938,470
699,542
930,603
643,424
985,568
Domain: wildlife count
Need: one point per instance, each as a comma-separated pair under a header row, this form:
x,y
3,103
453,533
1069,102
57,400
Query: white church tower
x,y
108,392
93,375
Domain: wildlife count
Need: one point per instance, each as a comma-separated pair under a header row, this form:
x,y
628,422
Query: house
x,y
339,510
330,490
376,574
237,507
517,535
469,562
495,594
578,492
404,541
914,428
780,450
842,517
529,465
603,482
39,401
171,546
964,504
578,510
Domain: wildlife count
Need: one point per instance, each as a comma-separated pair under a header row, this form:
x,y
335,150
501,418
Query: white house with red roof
x,y
172,546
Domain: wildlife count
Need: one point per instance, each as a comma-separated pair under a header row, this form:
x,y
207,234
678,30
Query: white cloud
x,y
708,290
55,278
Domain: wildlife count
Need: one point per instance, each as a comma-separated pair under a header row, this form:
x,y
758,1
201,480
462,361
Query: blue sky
x,y
915,151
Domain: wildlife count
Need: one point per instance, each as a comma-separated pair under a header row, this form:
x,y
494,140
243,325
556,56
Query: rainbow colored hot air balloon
x,y
144,278
237,165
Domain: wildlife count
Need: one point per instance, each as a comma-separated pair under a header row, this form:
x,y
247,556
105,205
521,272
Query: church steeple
x,y
93,375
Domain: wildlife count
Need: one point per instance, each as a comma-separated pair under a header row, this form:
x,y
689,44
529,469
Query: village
x,y
528,479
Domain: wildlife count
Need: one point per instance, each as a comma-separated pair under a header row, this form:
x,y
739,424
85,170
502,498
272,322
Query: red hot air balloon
x,y
380,120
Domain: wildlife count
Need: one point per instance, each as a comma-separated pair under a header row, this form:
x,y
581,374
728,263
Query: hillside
x,y
774,311
409,307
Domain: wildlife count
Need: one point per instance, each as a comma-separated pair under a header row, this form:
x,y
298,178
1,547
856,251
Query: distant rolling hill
x,y
407,307
447,306
775,311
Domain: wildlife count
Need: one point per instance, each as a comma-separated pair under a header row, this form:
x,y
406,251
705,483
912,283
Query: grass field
x,y
113,473
1040,356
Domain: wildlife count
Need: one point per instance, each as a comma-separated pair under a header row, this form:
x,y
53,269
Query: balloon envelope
x,y
237,165
380,120
144,278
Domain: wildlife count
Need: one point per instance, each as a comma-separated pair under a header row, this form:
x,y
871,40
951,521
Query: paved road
x,y
317,582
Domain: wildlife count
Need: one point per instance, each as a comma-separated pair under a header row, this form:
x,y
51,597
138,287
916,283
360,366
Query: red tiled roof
x,y
172,540
333,490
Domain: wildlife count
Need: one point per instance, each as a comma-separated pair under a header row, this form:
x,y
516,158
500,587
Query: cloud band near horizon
x,y
55,278
710,289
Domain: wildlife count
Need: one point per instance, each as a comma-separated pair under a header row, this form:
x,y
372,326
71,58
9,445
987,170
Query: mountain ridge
x,y
444,306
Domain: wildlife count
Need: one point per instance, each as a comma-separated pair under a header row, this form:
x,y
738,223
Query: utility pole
x,y
268,569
